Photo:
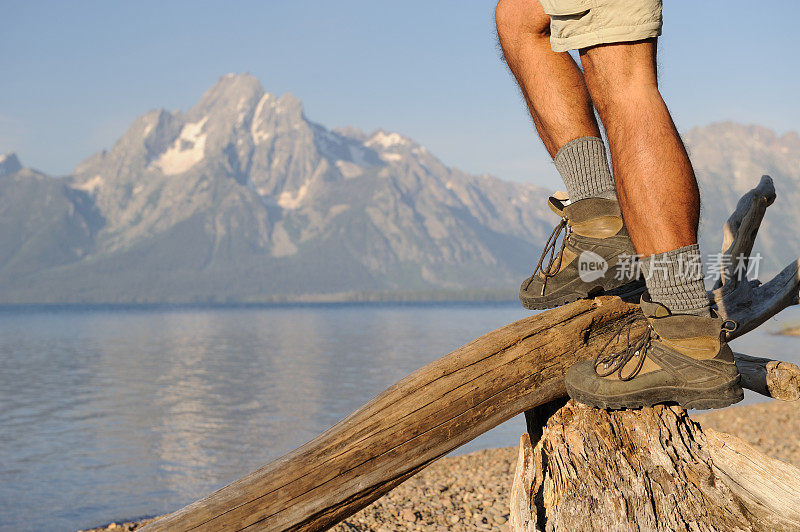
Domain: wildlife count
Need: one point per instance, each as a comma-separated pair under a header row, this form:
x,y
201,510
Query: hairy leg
x,y
551,82
655,182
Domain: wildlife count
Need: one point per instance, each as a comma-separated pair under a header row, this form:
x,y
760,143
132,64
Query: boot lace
x,y
607,363
554,262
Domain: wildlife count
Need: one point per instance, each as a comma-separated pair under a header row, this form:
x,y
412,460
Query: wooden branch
x,y
668,475
739,232
750,303
749,307
779,380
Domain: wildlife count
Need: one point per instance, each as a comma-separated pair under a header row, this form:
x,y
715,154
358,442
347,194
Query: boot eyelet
x,y
729,325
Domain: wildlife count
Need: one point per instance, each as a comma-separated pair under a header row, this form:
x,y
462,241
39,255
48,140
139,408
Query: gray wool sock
x,y
675,279
583,166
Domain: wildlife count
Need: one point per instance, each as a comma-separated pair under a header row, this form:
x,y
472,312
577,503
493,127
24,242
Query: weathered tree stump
x,y
653,469
581,468
449,402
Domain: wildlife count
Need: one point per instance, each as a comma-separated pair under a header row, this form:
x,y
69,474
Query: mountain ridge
x,y
242,198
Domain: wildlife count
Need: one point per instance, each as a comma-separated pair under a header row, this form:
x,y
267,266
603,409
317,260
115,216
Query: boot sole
x,y
698,398
629,291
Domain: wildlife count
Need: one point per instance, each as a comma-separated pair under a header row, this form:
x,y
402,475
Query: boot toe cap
x,y
581,376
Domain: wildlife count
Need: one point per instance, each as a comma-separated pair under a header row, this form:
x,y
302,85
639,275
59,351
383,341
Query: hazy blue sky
x,y
74,75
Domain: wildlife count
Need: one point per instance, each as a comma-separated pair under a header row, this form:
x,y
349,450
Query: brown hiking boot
x,y
678,358
596,257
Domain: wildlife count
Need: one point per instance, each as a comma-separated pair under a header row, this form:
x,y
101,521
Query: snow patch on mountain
x,y
187,150
242,111
349,169
255,131
91,184
290,201
387,140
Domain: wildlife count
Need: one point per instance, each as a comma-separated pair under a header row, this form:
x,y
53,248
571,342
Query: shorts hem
x,y
606,36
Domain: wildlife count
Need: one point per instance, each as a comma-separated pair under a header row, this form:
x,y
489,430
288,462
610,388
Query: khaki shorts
x,y
578,24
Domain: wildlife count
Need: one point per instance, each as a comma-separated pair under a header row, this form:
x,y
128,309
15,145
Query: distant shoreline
x,y
499,299
391,298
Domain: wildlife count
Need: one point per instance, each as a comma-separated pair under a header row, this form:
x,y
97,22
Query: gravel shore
x,y
470,492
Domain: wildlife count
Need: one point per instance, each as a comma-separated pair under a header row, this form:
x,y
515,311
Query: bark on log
x,y
652,469
448,403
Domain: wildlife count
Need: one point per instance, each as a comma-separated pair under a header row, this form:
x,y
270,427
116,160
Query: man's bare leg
x,y
655,182
562,111
680,356
551,82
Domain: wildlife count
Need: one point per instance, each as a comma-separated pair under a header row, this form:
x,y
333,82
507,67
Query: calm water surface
x,y
114,414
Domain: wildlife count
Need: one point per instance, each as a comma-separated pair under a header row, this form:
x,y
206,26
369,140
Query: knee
x,y
519,19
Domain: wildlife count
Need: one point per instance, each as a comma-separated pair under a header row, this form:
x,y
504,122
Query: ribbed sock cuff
x,y
675,279
584,168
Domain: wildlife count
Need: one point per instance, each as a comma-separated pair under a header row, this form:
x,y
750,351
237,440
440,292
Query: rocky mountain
x,y
729,159
243,198
44,223
9,164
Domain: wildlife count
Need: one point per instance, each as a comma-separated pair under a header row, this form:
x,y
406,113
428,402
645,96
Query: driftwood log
x,y
581,468
448,403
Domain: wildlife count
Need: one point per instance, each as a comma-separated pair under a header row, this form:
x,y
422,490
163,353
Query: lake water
x,y
108,414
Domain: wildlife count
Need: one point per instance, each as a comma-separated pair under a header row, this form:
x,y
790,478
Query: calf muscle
x,y
551,82
655,182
